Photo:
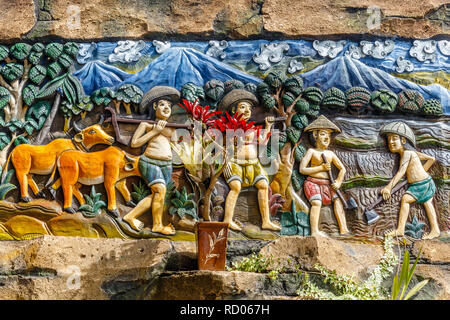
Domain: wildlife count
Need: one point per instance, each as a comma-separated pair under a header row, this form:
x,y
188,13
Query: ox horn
x,y
130,158
76,127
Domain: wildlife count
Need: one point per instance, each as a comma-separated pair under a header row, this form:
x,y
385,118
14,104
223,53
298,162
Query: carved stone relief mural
x,y
144,139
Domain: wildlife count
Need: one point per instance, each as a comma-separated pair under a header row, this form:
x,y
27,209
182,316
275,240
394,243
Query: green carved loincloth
x,y
422,190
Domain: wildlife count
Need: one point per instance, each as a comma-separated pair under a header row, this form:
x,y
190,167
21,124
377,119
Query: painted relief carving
x,y
140,139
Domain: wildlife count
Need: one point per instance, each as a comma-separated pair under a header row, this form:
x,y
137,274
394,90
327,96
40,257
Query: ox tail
x,y
51,180
5,169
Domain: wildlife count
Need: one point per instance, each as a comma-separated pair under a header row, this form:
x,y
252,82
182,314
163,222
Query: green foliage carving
x,y
384,101
233,84
358,101
71,48
20,51
183,204
93,205
192,92
4,52
410,101
214,91
103,96
415,229
54,50
129,93
14,125
274,80
37,74
37,51
293,134
432,107
5,140
36,116
21,140
12,71
302,106
299,152
54,69
5,182
297,179
294,85
295,222
65,60
313,95
29,93
4,97
300,121
140,191
334,99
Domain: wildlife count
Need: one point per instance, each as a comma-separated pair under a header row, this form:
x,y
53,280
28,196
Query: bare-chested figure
x,y
318,188
421,186
155,165
245,169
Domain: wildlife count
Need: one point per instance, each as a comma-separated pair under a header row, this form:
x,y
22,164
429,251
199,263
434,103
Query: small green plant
x,y
259,264
140,191
415,228
295,222
5,185
93,205
402,279
183,204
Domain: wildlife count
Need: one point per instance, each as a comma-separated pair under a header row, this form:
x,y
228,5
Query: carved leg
x,y
314,215
432,218
68,194
230,203
34,187
78,194
122,187
22,178
407,199
131,217
340,216
263,202
159,192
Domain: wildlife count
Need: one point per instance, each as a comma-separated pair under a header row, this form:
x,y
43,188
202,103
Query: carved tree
x,y
26,69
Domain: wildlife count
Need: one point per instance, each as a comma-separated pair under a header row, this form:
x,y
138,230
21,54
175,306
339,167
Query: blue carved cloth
x,y
155,171
422,190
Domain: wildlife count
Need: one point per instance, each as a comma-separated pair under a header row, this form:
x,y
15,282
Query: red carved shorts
x,y
319,189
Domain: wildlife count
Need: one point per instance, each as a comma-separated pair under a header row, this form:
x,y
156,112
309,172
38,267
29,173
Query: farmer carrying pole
x,y
421,189
318,187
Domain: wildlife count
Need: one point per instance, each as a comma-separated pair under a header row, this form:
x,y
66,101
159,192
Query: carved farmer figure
x,y
401,140
318,188
155,165
245,169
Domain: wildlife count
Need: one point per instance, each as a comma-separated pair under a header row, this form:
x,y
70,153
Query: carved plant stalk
x,y
49,121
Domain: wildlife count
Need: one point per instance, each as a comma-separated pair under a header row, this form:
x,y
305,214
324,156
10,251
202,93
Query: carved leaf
x,y
20,51
4,97
29,93
12,71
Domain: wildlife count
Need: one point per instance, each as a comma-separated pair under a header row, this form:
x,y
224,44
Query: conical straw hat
x,y
236,95
322,123
156,93
400,128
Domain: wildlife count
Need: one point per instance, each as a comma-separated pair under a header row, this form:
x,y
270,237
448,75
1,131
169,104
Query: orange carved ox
x,y
30,159
110,167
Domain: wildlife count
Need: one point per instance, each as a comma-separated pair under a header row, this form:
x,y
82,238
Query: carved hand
x,y
386,193
160,125
336,185
326,167
269,121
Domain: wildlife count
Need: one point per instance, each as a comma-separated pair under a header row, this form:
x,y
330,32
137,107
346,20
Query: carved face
x,y
395,142
163,109
323,138
244,108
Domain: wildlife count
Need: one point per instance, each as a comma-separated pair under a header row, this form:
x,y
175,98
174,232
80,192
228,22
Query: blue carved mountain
x,y
97,74
177,66
345,72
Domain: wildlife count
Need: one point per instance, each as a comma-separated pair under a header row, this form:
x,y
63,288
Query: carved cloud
x,y
127,51
328,48
270,54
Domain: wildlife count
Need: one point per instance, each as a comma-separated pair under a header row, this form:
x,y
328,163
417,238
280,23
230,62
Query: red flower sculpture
x,y
198,112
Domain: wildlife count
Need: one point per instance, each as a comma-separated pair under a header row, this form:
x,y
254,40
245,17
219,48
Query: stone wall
x,y
238,20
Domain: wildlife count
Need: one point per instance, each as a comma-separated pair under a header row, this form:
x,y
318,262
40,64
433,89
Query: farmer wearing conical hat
x,y
401,140
318,188
155,165
245,169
